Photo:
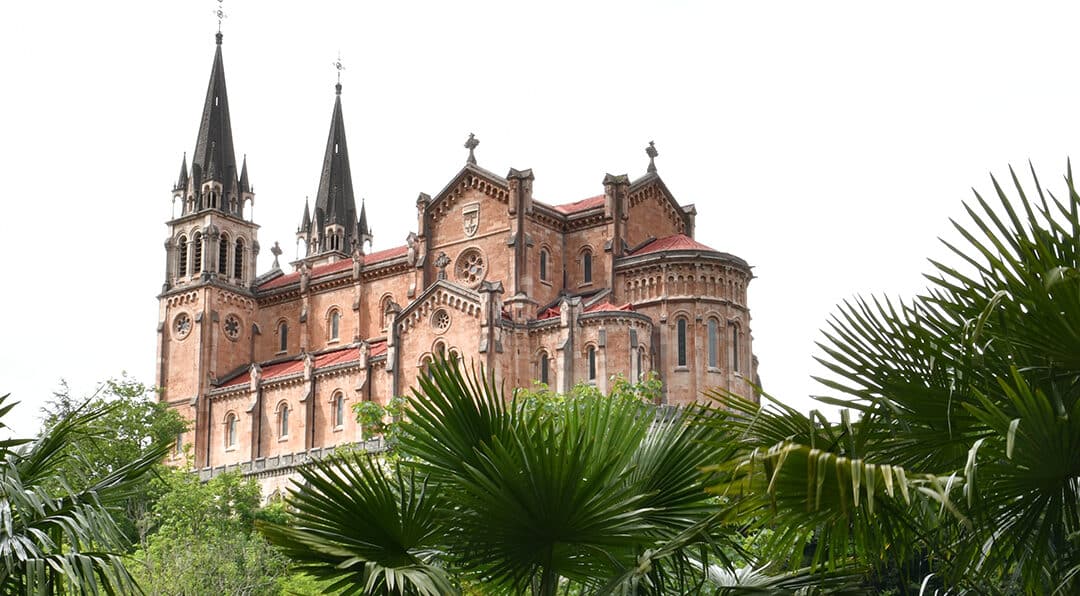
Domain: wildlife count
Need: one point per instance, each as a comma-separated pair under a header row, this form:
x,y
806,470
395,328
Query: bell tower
x,y
207,307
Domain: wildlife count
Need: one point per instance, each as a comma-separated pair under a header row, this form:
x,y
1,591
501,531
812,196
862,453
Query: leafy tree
x,y
57,535
203,540
133,420
961,470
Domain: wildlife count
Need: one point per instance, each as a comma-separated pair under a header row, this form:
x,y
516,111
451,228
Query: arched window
x,y
640,363
586,266
543,264
283,336
680,341
230,430
196,252
439,350
223,255
734,346
590,355
714,343
283,420
211,201
545,365
238,259
178,448
181,256
335,324
425,366
339,410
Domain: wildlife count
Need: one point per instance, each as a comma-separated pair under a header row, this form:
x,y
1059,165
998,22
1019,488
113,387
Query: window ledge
x,y
545,282
281,352
283,438
714,369
333,341
230,448
682,369
585,284
339,428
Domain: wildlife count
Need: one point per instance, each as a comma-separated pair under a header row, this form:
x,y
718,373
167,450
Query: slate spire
x,y
214,157
181,182
363,231
334,203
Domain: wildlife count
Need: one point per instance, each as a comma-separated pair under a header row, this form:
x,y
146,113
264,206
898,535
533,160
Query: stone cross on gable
x,y
471,145
339,66
276,251
441,262
652,153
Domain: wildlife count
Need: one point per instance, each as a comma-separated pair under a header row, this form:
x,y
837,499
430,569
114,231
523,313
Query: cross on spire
x,y
220,15
340,67
471,145
652,153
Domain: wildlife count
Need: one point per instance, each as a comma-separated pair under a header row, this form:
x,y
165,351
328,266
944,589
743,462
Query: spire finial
x,y
340,67
471,145
652,153
220,15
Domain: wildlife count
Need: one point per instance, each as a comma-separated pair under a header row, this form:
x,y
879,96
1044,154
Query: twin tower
x,y
267,367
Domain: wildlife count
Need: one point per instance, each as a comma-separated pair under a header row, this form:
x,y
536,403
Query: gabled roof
x,y
276,370
673,242
555,311
578,206
214,156
335,267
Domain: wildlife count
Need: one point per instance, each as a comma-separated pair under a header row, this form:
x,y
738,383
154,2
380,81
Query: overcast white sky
x,y
827,143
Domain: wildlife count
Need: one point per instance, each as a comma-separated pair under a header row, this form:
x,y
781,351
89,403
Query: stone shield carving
x,y
470,218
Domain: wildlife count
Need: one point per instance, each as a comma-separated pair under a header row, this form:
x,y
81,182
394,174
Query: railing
x,y
284,463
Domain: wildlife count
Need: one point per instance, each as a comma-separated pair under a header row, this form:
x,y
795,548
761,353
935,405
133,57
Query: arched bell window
x,y
181,256
196,252
238,259
680,341
223,255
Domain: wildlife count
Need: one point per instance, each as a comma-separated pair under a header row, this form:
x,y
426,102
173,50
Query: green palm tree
x,y
592,494
963,466
55,539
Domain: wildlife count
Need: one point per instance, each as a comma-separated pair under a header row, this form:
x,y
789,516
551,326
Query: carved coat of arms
x,y
470,218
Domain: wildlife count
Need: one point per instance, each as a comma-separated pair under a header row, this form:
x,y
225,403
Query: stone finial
x,y
276,251
652,153
441,262
471,144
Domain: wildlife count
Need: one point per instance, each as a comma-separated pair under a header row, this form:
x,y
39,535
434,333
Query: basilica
x,y
267,365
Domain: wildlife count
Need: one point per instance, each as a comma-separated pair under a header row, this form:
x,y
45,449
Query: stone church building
x,y
267,365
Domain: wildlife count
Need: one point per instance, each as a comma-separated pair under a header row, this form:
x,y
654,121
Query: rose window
x,y
440,321
182,325
232,327
470,267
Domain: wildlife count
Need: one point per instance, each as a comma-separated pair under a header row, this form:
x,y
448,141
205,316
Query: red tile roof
x,y
555,311
581,205
607,306
289,367
342,265
376,349
550,313
674,242
385,255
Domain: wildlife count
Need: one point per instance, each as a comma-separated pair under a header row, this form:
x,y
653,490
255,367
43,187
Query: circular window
x,y
232,327
182,325
470,267
440,320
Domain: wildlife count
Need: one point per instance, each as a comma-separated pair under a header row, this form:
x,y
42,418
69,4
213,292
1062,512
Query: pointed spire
x,y
362,229
305,223
334,203
245,185
214,152
181,182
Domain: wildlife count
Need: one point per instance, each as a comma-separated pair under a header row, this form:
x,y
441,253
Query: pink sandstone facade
x,y
267,367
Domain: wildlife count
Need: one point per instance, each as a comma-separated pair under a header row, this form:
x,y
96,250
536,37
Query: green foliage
x,y
961,469
58,536
132,419
377,420
543,493
204,540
